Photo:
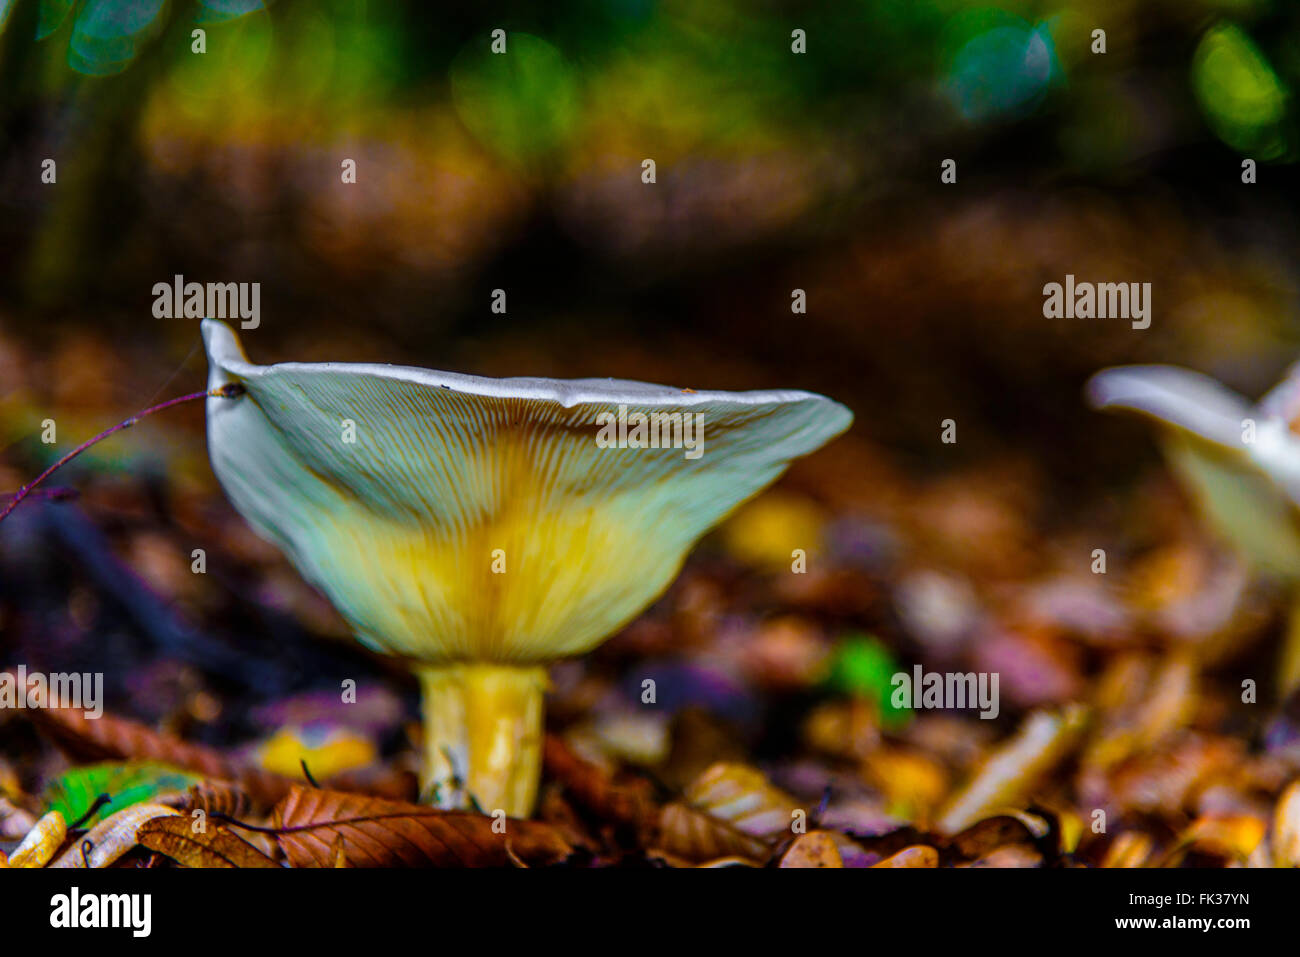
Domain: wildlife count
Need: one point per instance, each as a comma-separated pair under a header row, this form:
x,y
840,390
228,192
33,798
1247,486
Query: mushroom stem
x,y
482,735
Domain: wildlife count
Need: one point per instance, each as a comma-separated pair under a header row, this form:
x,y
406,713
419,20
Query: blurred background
x,y
775,170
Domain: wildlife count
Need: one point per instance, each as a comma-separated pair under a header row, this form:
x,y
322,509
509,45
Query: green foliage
x,y
864,666
73,792
1242,97
523,105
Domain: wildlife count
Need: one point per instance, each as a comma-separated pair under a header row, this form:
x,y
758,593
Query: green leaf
x,y
74,791
864,666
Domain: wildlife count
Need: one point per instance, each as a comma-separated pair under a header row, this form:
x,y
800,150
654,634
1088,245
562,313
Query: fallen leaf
x,y
41,842
918,855
694,835
742,796
112,837
77,789
814,849
1011,773
628,803
377,832
217,797
214,846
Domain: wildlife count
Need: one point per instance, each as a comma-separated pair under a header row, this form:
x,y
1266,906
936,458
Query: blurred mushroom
x,y
1240,461
477,527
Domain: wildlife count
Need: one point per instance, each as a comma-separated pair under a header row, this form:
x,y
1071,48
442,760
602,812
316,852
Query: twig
x,y
228,391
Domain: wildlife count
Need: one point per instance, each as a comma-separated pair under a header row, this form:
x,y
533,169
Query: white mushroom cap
x,y
400,528
1242,461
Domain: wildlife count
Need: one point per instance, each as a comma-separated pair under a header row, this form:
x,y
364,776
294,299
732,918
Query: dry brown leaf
x,y
41,842
214,846
814,849
1010,774
628,803
217,797
918,855
743,797
112,837
377,832
731,810
693,835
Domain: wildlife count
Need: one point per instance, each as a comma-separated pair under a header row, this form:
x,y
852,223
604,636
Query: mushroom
x,y
481,528
1241,462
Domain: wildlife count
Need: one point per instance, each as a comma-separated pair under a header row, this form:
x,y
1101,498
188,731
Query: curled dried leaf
x,y
112,837
41,842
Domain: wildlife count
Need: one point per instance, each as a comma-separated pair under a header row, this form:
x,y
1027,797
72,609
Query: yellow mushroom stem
x,y
482,735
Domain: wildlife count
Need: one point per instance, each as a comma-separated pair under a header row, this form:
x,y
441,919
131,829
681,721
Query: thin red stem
x,y
228,391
